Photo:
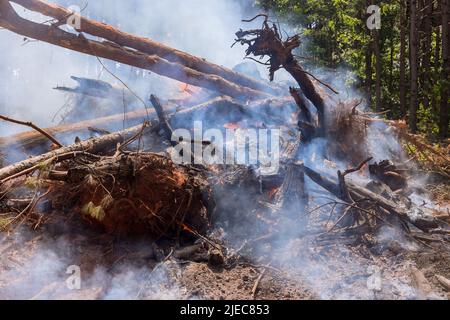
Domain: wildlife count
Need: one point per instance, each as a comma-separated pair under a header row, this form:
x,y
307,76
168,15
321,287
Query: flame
x,y
184,87
187,89
231,126
271,194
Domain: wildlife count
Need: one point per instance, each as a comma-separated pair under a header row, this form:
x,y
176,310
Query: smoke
x,y
72,267
28,72
30,69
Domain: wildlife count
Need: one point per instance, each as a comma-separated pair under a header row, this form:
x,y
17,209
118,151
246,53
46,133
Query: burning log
x,y
147,46
10,20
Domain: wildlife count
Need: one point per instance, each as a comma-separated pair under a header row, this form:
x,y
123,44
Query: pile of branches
x,y
113,184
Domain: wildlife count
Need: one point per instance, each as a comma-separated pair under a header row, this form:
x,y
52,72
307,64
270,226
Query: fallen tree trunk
x,y
414,215
32,139
147,46
229,110
10,20
94,146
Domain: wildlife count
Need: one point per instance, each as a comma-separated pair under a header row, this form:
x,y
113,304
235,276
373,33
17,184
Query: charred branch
x,y
420,217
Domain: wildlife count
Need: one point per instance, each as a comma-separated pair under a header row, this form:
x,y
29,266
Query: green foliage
x,y
335,34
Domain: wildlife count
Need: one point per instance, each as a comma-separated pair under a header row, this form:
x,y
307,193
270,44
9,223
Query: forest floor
x,y
33,265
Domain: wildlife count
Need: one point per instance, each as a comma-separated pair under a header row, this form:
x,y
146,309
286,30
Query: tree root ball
x,y
139,194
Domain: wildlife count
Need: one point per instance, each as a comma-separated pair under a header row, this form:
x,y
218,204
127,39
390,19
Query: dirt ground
x,y
35,264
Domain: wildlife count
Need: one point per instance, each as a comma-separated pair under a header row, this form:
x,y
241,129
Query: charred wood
x,y
418,217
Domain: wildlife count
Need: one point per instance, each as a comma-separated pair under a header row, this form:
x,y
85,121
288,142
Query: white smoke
x,y
30,69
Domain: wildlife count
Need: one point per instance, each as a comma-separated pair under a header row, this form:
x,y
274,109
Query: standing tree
x,y
445,89
402,63
414,52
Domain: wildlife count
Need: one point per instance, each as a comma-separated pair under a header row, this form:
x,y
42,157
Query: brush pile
x,y
111,182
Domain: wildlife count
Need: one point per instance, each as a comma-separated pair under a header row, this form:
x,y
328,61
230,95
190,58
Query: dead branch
x,y
31,125
163,122
268,42
147,46
10,20
421,219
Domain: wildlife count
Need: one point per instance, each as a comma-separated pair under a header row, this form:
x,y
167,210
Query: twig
x,y
362,164
321,82
164,123
256,17
258,281
33,126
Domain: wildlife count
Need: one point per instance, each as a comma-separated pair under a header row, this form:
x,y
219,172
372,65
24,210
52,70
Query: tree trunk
x,y
97,145
147,46
426,52
402,82
10,20
413,45
368,82
378,93
445,90
437,67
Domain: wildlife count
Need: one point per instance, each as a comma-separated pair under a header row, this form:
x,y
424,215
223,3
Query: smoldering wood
x,y
96,89
419,217
148,46
292,197
163,122
10,20
94,146
224,108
